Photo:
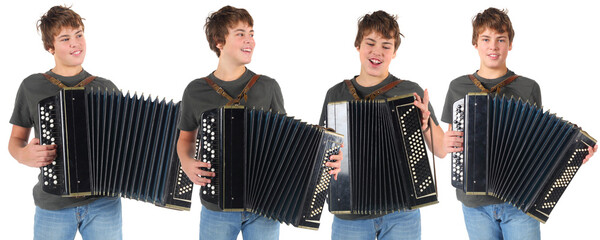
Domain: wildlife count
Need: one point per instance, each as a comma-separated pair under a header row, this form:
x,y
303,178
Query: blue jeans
x,y
500,221
227,225
397,225
100,219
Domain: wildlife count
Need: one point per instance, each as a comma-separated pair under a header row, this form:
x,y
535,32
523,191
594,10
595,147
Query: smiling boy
x,y
487,217
59,217
230,35
377,41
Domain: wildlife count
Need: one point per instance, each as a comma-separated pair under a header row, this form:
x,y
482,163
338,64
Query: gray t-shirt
x,y
521,87
340,92
33,89
199,97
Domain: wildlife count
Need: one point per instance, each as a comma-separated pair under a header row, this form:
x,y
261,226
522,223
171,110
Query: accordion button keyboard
x,y
458,124
206,152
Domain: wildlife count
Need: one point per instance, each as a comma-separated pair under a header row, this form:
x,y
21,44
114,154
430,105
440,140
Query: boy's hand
x,y
453,140
590,154
336,163
423,104
191,167
36,155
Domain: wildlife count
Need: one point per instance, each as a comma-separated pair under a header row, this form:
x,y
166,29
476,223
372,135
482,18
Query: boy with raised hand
x,y
59,217
487,217
230,35
377,41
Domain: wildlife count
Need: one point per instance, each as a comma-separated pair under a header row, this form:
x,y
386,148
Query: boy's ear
x,y
51,51
219,44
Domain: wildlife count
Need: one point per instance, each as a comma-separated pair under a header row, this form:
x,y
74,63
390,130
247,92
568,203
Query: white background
x,y
158,47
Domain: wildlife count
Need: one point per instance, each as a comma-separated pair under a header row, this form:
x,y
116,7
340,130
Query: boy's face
x,y
493,48
239,44
376,54
69,48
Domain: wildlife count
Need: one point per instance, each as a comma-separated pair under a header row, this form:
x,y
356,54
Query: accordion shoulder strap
x,y
496,88
375,93
352,89
243,94
61,85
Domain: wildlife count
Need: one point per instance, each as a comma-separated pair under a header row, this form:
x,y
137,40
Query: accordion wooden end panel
x,y
266,163
516,152
385,167
110,144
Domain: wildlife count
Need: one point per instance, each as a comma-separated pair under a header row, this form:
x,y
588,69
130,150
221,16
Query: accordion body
x,y
110,144
385,167
266,163
516,152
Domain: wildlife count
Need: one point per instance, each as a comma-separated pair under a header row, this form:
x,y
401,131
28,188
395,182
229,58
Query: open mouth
x,y
375,61
493,56
77,53
246,50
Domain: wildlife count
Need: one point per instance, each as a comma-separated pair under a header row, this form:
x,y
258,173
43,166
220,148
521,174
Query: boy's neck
x,y
492,73
229,73
366,80
67,71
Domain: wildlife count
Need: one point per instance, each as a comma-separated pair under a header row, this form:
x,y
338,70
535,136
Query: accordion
x,y
385,167
266,163
110,144
516,152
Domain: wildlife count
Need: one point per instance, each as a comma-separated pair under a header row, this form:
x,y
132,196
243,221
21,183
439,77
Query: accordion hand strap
x,y
243,94
496,88
61,85
375,93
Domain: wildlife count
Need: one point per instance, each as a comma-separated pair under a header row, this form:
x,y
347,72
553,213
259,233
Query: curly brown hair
x,y
380,22
51,23
217,24
495,19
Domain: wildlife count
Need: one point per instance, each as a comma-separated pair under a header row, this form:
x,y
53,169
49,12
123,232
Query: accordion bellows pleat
x,y
110,144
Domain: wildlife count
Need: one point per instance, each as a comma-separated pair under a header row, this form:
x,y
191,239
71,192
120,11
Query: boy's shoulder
x,y
266,79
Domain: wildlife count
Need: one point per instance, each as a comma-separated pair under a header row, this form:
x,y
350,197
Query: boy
x,y
487,217
58,217
230,35
377,40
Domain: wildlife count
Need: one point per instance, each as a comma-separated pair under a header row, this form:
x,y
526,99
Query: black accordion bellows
x,y
110,144
385,167
266,163
515,151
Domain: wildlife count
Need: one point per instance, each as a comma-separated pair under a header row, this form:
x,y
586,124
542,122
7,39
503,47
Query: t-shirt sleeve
x,y
448,105
20,115
277,100
187,114
324,110
536,94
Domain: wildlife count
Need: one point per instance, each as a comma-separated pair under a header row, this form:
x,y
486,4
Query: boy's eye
x,y
371,44
501,40
64,40
386,47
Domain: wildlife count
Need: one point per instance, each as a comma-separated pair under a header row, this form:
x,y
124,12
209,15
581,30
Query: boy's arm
x,y
429,126
191,167
32,154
